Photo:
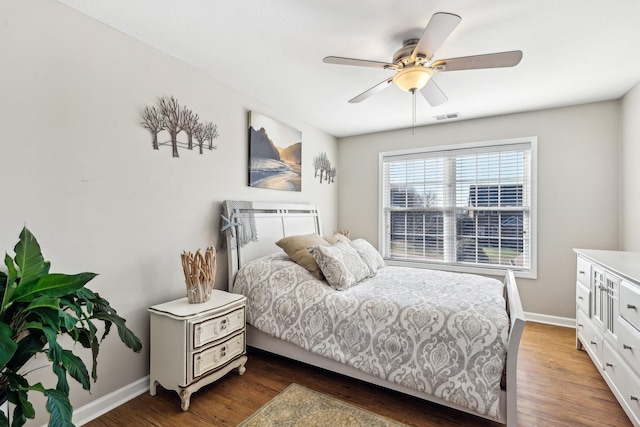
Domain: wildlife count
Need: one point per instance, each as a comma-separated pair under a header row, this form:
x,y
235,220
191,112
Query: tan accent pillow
x,y
297,249
335,238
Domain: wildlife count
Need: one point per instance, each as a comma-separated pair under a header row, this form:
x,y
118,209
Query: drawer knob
x,y
581,272
594,343
634,398
580,298
631,307
627,347
580,325
609,364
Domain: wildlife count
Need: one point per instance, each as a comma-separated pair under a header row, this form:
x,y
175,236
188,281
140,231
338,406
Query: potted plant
x,y
36,308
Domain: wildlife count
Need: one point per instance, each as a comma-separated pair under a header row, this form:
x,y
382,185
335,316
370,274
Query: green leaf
x,y
61,373
11,284
27,407
8,346
60,409
44,301
54,352
52,285
126,335
76,368
49,317
29,257
70,322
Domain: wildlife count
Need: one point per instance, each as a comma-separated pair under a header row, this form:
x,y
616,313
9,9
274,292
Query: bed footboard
x,y
517,320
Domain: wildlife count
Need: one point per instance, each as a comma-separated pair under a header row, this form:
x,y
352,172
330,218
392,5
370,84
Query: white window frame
x,y
532,273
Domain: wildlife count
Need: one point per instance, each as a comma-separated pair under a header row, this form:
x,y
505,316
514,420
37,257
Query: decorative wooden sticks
x,y
200,274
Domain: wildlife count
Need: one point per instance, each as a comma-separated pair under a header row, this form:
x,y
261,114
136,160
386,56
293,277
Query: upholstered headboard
x,y
252,228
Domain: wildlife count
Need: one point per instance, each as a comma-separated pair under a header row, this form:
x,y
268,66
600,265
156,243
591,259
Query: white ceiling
x,y
575,51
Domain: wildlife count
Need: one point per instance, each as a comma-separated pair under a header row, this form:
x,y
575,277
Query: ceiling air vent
x,y
449,116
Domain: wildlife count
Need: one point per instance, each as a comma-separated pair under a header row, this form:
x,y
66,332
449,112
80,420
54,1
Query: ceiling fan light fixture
x,y
412,78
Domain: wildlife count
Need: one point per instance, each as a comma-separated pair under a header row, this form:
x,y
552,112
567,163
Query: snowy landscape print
x,y
275,154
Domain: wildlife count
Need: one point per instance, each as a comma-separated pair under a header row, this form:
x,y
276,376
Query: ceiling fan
x,y
414,63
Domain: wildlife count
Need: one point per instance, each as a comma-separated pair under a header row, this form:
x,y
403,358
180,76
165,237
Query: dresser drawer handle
x,y
627,347
594,343
609,364
580,325
634,398
631,307
583,298
581,272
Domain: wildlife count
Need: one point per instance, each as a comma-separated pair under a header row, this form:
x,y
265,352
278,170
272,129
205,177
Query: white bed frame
x,y
274,221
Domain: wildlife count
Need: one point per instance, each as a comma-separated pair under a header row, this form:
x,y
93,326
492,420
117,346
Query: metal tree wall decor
x,y
169,116
322,164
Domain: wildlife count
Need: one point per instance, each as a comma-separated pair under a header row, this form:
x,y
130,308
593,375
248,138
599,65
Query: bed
x,y
481,380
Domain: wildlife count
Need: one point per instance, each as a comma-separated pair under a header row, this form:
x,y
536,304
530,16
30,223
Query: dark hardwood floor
x,y
557,386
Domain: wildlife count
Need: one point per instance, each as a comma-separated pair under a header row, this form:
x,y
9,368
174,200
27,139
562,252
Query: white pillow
x,y
341,265
369,255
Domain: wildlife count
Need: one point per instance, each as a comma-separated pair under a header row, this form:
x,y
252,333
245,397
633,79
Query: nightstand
x,y
193,345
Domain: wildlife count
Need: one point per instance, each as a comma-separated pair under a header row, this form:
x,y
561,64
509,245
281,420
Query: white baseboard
x,y
566,322
104,404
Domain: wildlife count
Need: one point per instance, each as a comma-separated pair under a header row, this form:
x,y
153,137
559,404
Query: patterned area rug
x,y
301,407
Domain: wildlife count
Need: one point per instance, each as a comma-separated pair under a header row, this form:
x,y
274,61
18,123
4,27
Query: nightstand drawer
x,y
218,355
217,328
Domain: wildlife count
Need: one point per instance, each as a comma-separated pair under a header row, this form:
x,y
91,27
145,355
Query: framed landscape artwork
x,y
275,154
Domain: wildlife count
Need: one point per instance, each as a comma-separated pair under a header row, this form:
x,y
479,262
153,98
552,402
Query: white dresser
x,y
608,320
193,345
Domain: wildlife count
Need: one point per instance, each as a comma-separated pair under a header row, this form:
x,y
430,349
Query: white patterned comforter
x,y
441,333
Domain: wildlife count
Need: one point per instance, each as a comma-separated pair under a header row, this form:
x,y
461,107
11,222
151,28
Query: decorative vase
x,y
199,274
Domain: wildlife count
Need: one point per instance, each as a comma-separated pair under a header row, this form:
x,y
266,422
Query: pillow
x,y
296,248
369,255
335,238
341,265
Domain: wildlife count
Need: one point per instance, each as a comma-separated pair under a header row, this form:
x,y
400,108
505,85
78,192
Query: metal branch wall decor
x,y
322,165
174,119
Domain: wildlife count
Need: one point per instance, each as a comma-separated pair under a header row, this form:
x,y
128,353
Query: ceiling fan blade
x,y
358,62
433,94
491,60
369,92
440,26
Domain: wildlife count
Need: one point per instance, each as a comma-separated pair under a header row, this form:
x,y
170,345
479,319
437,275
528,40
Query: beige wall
x,y
78,169
630,171
577,186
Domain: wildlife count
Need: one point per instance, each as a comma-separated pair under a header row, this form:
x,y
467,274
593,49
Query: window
x,y
469,207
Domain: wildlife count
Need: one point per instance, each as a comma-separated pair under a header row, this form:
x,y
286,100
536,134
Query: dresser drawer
x,y
216,356
211,330
624,383
628,343
583,272
630,303
582,298
590,336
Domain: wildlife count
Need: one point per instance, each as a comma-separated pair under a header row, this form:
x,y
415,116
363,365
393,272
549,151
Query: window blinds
x,y
459,206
